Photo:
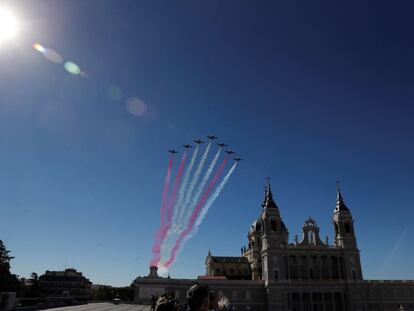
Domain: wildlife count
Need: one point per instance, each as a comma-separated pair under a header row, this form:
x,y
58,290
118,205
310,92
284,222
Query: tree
x,y
4,257
35,290
8,281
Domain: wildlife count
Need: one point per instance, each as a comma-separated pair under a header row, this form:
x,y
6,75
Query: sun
x,y
8,25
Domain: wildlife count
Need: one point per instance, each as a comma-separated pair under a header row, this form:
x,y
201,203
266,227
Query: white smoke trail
x,y
211,200
179,225
201,186
181,193
178,206
193,182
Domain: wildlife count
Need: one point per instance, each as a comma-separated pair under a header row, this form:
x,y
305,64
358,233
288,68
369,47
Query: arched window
x,y
311,237
273,225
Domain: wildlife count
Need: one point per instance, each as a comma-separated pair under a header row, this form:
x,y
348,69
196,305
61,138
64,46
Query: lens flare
x,y
8,25
38,47
72,68
53,56
114,93
49,54
136,107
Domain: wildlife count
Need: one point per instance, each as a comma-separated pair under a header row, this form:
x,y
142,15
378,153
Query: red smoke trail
x,y
157,245
195,213
177,183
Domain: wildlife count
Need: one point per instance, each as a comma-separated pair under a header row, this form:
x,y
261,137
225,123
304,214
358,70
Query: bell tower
x,y
274,240
345,238
343,223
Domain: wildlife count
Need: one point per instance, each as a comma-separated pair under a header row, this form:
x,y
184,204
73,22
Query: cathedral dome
x,y
283,226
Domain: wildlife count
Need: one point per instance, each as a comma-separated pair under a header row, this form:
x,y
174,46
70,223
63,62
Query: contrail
x,y
157,244
195,214
211,200
178,226
391,254
171,203
201,186
177,206
187,210
183,188
194,180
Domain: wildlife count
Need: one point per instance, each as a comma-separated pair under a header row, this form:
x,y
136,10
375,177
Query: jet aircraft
x,y
199,141
230,152
237,159
212,137
186,146
173,151
222,145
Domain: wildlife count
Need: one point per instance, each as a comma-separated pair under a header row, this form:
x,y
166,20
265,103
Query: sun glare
x,y
8,25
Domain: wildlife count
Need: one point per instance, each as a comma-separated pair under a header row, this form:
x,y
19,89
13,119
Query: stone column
x,y
269,299
329,267
333,301
287,268
320,267
323,302
300,301
311,300
288,301
338,263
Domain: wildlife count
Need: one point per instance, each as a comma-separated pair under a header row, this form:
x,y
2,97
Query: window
x,y
276,275
347,227
354,277
234,295
248,295
273,225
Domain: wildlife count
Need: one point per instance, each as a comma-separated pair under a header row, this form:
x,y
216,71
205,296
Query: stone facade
x,y
68,283
307,275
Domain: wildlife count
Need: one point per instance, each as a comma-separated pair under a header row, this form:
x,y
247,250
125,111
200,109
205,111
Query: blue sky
x,y
307,92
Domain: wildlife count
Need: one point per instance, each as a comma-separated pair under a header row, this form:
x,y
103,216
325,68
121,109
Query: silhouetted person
x,y
197,298
153,302
213,301
165,304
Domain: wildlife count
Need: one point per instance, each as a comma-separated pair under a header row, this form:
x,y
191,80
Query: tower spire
x,y
269,202
265,196
340,205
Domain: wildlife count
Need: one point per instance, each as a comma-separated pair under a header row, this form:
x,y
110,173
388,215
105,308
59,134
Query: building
x,y
69,284
308,275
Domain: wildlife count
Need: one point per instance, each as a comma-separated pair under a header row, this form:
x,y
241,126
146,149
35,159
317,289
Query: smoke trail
x,y
211,200
177,180
201,186
194,180
180,226
183,188
178,206
195,214
157,245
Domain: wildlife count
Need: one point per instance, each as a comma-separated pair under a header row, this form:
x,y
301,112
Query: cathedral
x,y
308,275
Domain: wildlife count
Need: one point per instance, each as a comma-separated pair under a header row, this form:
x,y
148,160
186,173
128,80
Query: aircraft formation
x,y
190,189
210,137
